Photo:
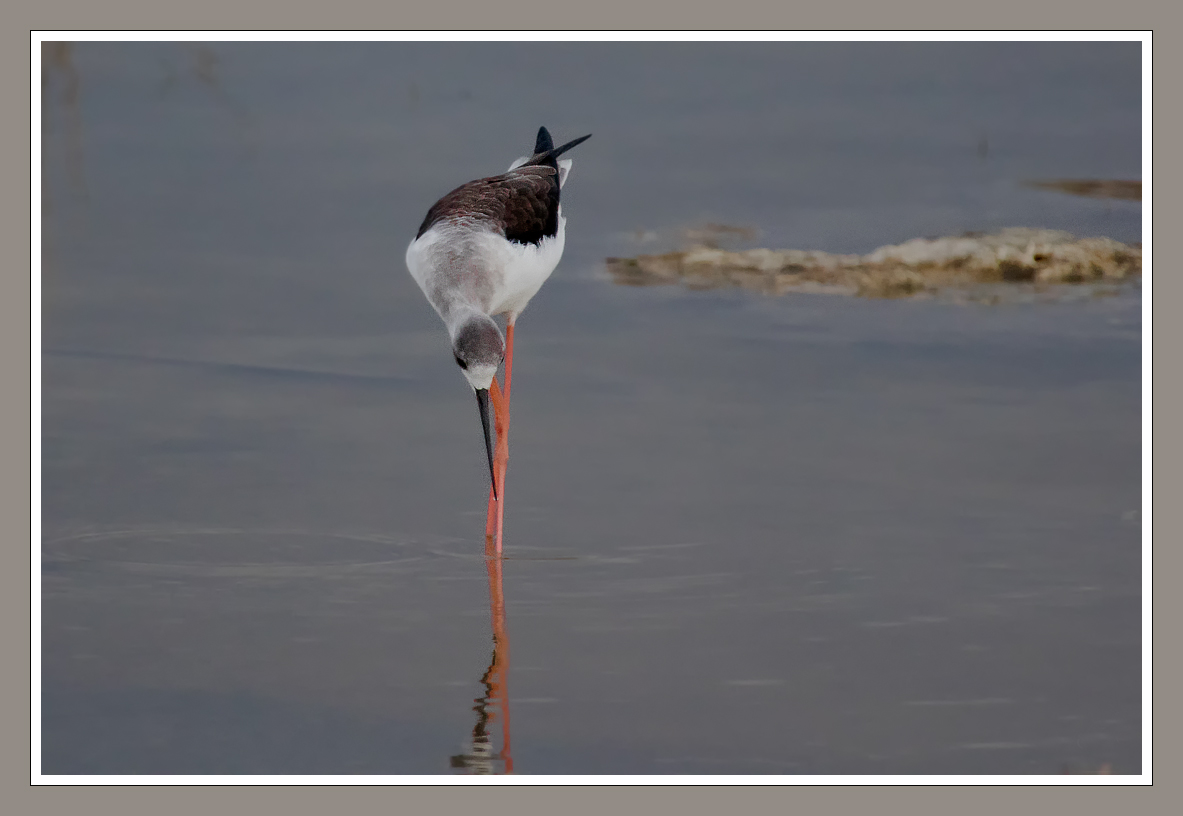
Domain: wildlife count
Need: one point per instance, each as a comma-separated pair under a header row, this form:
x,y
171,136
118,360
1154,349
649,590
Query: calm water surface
x,y
744,535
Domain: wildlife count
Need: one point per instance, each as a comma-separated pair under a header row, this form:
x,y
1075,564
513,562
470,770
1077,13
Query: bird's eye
x,y
461,363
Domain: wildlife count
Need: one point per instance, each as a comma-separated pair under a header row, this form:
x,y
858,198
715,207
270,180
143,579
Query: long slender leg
x,y
503,432
491,519
491,514
495,515
508,361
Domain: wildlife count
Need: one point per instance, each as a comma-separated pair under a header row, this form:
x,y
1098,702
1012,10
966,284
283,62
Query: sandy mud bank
x,y
1019,261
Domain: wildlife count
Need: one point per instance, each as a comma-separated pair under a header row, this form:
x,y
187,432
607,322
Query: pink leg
x,y
495,516
503,433
491,536
508,361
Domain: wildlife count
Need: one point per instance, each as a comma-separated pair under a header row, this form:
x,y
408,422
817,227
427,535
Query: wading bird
x,y
485,249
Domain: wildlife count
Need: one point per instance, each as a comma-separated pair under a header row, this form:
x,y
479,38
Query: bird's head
x,y
479,350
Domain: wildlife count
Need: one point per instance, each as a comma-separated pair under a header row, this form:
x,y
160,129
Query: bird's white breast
x,y
525,267
462,265
466,264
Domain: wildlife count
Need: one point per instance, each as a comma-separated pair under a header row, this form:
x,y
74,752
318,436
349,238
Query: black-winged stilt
x,y
485,249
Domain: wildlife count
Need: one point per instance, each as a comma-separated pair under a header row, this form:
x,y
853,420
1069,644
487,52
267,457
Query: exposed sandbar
x,y
1037,258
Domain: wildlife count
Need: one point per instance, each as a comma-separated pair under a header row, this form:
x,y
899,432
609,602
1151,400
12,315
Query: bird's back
x,y
521,205
492,243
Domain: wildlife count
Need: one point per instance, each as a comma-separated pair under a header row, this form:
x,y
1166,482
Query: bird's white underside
x,y
463,266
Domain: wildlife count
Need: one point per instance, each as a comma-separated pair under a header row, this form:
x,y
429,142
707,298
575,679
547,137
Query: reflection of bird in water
x,y
485,249
494,705
482,759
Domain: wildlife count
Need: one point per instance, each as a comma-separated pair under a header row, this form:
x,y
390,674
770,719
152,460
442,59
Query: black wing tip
x,y
545,152
558,151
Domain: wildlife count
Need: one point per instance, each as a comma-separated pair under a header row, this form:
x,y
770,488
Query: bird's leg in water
x,y
495,517
491,515
502,452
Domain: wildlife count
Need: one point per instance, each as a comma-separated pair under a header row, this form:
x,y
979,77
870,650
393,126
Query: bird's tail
x,y
543,143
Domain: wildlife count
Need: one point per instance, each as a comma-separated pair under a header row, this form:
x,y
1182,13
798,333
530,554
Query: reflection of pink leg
x,y
499,671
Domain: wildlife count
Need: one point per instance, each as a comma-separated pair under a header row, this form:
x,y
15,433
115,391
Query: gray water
x,y
753,535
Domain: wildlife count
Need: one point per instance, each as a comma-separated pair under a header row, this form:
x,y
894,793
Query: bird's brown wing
x,y
522,205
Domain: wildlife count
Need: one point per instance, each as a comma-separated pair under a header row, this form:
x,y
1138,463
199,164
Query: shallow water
x,y
804,534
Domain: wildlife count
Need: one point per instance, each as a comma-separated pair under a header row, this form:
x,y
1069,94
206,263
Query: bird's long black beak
x,y
482,401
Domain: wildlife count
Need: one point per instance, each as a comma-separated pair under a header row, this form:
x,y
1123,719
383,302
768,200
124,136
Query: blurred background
x,y
745,534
